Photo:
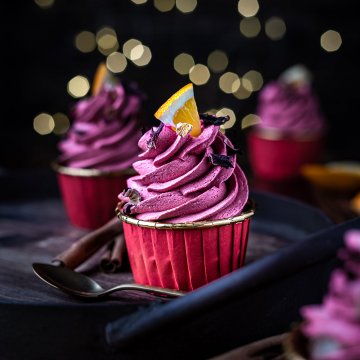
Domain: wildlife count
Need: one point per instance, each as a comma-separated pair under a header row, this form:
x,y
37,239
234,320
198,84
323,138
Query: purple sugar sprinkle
x,y
214,120
151,142
222,160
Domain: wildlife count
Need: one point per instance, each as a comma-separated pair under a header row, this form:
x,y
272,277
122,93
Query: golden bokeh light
x,y
62,123
275,28
116,62
43,124
44,4
137,52
217,61
183,63
139,2
248,8
85,41
224,112
145,58
186,6
330,41
106,40
164,5
250,27
199,74
78,86
228,82
129,45
253,81
250,120
242,93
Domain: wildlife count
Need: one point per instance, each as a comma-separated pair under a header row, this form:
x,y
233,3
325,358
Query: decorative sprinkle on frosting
x,y
151,142
214,120
183,129
128,198
222,160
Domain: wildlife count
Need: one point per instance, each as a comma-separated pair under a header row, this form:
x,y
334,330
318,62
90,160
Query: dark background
x,y
40,58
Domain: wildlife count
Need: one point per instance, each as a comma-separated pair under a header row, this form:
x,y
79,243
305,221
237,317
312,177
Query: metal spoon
x,y
81,285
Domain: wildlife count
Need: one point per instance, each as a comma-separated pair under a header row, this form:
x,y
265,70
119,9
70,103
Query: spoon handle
x,y
149,289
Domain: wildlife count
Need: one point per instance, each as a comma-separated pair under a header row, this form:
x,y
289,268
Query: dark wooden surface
x,y
39,318
37,231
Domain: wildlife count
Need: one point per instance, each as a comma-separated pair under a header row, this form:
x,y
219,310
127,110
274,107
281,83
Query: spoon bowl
x,y
80,285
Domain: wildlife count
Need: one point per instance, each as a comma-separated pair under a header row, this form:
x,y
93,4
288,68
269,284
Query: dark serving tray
x,y
261,299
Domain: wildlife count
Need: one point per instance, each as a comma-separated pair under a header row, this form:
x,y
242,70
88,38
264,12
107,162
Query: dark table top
x,y
36,231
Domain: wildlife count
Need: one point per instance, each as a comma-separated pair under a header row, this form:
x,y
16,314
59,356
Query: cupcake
x,y
331,330
98,151
186,215
291,128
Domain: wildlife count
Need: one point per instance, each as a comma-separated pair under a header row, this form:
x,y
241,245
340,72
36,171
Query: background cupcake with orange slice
x,y
292,127
186,214
99,149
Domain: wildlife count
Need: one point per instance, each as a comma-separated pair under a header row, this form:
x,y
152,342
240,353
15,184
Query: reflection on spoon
x,y
81,285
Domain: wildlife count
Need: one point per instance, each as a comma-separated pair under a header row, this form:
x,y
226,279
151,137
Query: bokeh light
x,y
43,124
164,5
252,81
116,62
137,52
199,74
250,27
242,93
129,45
62,123
183,63
186,6
228,82
44,4
248,8
224,112
106,40
139,2
217,61
275,28
85,41
78,86
330,40
250,120
145,57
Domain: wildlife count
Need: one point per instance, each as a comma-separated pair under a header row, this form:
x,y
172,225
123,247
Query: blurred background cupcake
x,y
331,330
99,149
291,128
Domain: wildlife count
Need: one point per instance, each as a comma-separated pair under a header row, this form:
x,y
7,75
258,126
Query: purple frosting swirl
x,y
290,109
104,133
179,180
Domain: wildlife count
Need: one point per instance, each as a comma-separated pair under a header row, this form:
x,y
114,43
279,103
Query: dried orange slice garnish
x,y
181,108
99,78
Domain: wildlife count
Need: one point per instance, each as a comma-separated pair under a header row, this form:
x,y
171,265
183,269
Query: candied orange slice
x,y
181,108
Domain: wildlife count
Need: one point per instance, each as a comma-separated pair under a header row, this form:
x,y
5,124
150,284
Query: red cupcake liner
x,y
90,196
280,159
186,256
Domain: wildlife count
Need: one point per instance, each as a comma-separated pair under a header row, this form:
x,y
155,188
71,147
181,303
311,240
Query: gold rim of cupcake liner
x,y
249,212
65,170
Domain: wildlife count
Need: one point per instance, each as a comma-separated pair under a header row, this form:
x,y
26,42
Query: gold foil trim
x,y
182,129
90,172
248,213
